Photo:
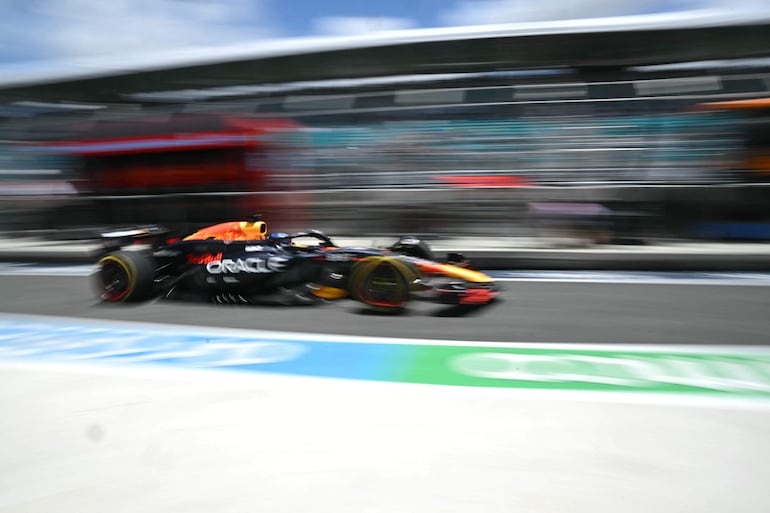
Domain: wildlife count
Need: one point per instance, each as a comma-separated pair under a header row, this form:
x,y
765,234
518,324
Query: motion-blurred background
x,y
434,118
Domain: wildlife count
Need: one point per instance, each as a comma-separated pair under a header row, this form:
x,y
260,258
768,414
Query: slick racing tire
x,y
125,276
382,283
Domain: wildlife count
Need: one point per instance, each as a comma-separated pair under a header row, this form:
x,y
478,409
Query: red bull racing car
x,y
242,262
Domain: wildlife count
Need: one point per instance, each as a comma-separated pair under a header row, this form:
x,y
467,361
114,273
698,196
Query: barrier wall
x,y
640,212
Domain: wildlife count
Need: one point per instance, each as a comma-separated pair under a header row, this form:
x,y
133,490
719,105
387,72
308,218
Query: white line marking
x,y
638,277
609,277
24,269
176,329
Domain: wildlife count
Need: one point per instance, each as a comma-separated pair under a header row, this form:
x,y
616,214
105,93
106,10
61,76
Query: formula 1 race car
x,y
241,262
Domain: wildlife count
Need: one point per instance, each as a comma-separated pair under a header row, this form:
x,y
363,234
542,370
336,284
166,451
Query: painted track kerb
x,y
729,371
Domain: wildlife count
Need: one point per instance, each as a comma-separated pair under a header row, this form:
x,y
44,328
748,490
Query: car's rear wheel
x,y
125,276
383,283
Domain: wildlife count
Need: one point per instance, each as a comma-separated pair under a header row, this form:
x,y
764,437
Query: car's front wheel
x,y
383,283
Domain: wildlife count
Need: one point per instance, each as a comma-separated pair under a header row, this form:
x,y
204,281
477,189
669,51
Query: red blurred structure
x,y
178,153
180,168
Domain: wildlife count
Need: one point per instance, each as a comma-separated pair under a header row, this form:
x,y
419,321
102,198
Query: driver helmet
x,y
280,239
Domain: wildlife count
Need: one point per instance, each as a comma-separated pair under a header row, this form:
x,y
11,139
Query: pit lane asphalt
x,y
527,312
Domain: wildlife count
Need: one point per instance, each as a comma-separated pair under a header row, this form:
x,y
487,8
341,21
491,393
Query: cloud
x,y
359,25
32,30
52,29
511,11
482,12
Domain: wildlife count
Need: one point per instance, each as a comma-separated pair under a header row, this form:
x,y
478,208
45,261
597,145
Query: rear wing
x,y
152,236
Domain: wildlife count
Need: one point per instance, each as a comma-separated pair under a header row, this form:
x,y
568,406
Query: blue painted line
x,y
50,340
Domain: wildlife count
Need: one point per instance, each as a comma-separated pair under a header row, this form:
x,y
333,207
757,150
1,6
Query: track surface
x,y
82,438
530,312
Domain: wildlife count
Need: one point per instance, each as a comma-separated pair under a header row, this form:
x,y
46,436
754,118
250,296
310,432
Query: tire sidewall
x,y
140,274
364,271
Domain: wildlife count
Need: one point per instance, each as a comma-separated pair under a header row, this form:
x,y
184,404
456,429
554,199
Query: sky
x,y
55,30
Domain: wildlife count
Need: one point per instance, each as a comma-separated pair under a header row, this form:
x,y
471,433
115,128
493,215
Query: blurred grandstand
x,y
636,122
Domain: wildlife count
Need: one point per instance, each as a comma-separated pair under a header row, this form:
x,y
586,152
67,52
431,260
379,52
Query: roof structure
x,y
610,43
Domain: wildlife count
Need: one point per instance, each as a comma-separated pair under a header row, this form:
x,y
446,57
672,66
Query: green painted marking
x,y
566,369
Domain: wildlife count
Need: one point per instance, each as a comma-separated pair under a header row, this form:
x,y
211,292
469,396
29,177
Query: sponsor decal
x,y
339,257
246,265
205,258
250,249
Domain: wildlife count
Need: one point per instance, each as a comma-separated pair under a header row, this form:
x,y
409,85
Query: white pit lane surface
x,y
86,438
82,440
